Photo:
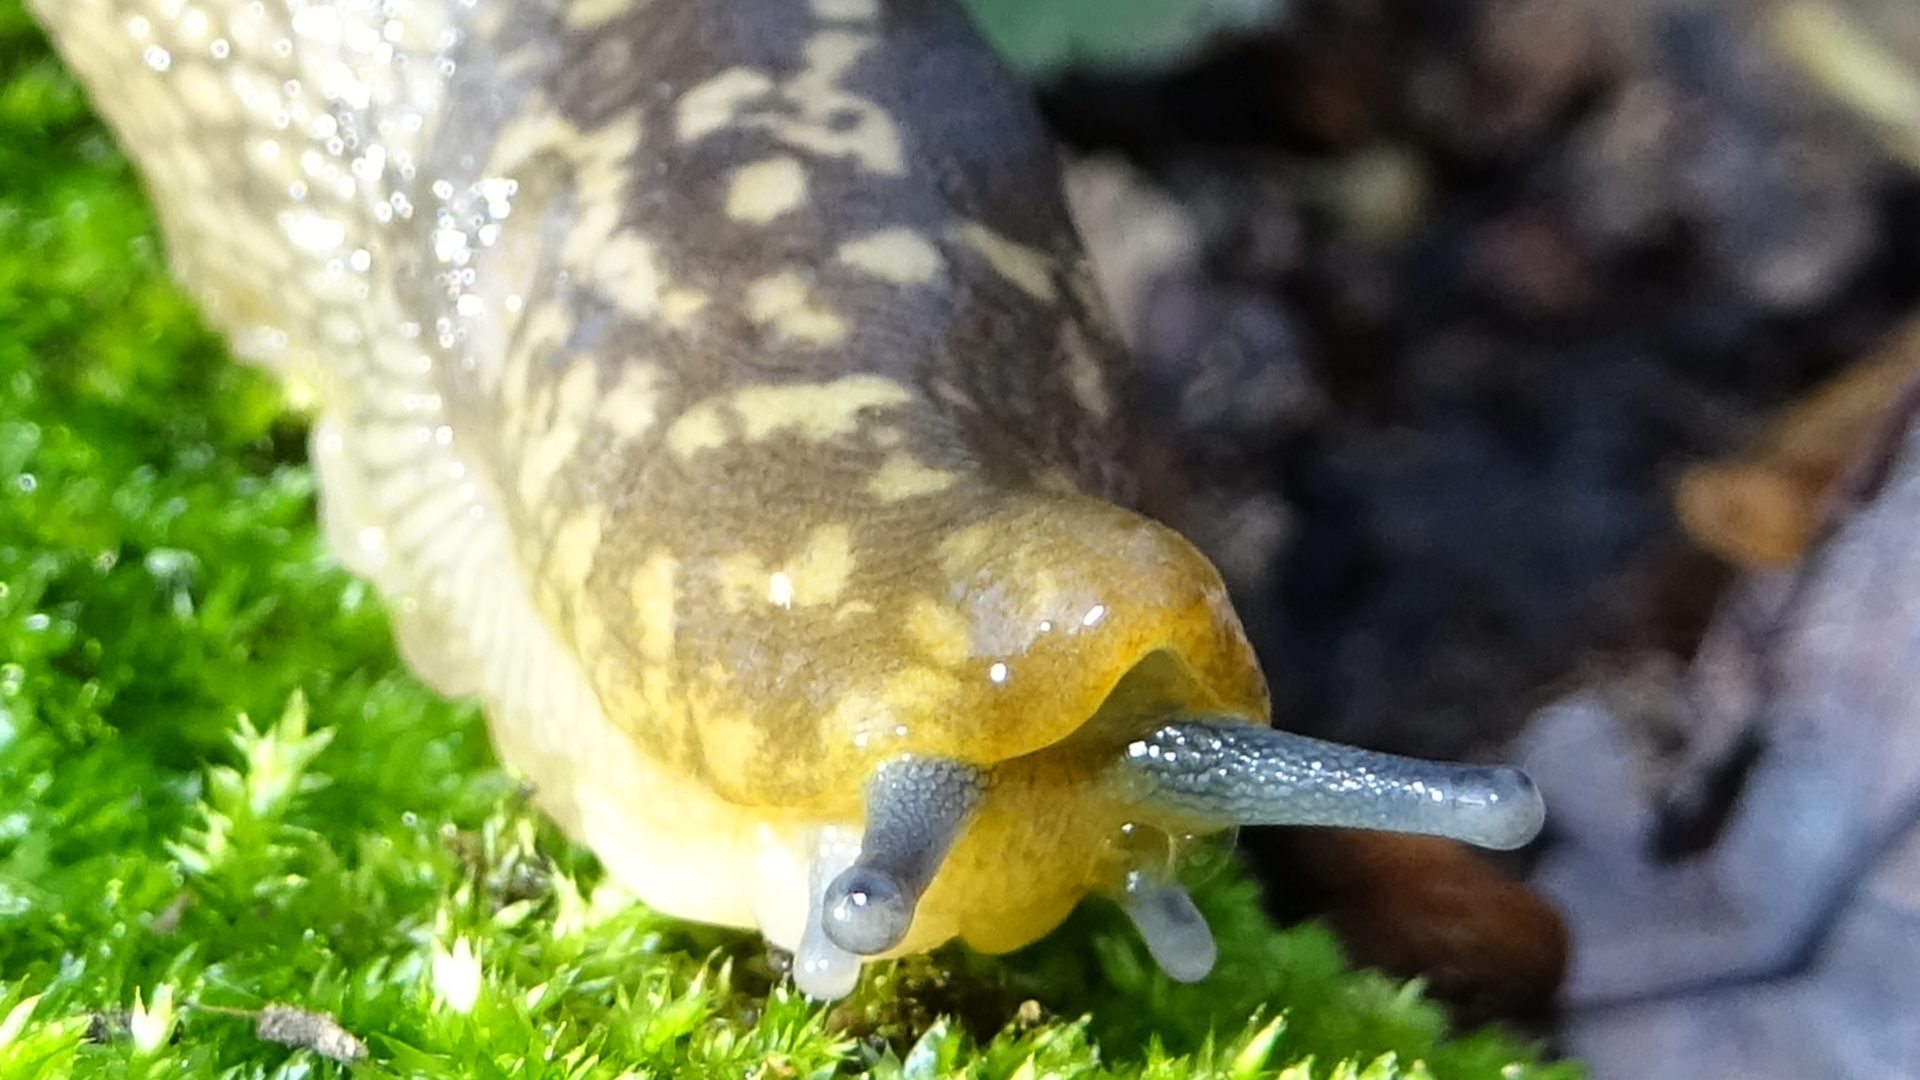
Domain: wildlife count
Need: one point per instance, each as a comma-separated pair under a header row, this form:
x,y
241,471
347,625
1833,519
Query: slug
x,y
717,390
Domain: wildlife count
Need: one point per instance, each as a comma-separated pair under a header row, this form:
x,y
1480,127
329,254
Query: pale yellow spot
x,y
546,452
664,708
627,269
922,693
589,632
542,332
831,120
1086,378
1085,287
940,631
615,259
699,428
716,103
846,9
652,593
570,554
816,412
902,477
964,550
898,255
537,129
742,579
727,733
633,405
680,305
813,111
949,392
661,717
209,99
853,609
784,304
857,716
518,318
1030,270
587,14
1057,480
820,572
766,189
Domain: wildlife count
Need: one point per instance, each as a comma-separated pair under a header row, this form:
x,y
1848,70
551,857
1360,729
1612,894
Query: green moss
x,y
169,867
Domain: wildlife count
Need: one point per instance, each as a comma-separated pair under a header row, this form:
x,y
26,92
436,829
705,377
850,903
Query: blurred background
x,y
1500,352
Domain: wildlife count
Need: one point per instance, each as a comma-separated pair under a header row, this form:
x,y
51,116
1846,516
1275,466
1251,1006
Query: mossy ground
x,y
169,867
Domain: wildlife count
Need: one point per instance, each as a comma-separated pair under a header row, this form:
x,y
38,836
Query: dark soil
x,y
1468,284
1475,281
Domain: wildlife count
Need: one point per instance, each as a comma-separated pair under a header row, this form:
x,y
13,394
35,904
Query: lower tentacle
x,y
821,968
1176,933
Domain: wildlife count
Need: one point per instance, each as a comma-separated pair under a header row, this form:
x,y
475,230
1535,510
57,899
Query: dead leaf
x,y
1761,508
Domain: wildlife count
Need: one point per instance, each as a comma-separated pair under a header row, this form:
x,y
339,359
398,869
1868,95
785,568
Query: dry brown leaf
x,y
1419,905
1761,508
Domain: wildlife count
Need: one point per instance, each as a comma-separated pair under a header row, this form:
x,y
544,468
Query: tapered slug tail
x,y
1227,772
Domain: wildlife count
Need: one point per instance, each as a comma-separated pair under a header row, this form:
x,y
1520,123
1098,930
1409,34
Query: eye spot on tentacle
x,y
916,808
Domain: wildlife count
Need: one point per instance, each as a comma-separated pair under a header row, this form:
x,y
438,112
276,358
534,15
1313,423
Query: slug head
x,y
1102,713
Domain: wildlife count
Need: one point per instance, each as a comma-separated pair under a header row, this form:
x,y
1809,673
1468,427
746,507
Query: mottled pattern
x,y
802,400
716,388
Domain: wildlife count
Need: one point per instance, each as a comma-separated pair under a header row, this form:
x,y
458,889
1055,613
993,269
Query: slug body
x,y
717,390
